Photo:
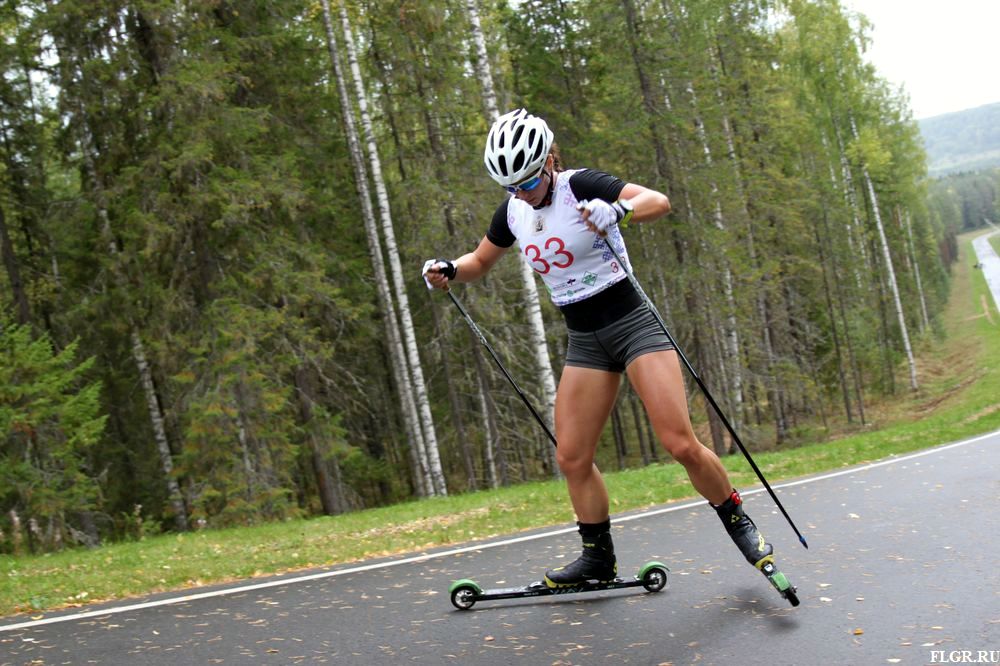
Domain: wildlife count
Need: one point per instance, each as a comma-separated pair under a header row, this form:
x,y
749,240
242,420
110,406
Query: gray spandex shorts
x,y
616,345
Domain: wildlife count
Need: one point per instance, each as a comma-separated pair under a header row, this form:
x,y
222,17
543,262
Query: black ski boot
x,y
596,563
743,532
757,551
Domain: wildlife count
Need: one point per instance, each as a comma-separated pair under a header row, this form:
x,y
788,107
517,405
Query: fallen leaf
x,y
858,632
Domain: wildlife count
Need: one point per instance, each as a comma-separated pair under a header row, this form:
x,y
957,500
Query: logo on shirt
x,y
590,279
538,226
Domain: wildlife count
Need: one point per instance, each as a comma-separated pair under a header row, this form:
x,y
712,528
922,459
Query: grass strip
x,y
959,397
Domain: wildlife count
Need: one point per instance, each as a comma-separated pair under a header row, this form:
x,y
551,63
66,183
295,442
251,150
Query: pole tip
x,y
803,540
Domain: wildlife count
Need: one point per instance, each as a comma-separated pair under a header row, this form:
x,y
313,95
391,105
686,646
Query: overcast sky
x,y
944,53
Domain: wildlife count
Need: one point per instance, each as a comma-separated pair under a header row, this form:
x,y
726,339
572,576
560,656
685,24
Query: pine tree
x,y
50,420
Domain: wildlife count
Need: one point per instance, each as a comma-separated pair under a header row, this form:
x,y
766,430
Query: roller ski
x,y
751,543
595,569
465,593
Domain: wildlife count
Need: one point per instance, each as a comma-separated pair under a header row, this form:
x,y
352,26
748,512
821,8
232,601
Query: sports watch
x,y
626,209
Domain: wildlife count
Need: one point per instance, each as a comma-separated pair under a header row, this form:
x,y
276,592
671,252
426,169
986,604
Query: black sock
x,y
594,529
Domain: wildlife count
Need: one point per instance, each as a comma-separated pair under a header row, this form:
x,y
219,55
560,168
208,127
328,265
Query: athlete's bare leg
x,y
658,381
583,404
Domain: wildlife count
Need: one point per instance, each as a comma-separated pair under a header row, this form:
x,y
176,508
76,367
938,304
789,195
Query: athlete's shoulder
x,y
499,232
595,184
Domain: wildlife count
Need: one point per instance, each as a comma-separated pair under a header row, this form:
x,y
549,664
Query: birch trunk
x,y
488,412
409,336
88,150
536,324
159,431
891,273
842,375
422,480
441,335
142,364
455,402
761,296
842,308
855,235
735,370
482,64
718,438
916,271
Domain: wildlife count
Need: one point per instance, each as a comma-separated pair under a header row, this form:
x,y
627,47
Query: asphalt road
x,y
901,570
989,262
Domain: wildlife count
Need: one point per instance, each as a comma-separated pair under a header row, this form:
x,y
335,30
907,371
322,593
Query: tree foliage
x,y
180,207
50,422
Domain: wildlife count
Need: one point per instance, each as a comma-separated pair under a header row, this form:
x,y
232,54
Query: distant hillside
x,y
962,141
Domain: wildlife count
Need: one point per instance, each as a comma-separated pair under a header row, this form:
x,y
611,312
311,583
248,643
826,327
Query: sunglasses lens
x,y
531,184
525,186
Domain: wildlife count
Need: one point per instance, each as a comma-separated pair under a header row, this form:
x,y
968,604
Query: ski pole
x,y
496,359
704,389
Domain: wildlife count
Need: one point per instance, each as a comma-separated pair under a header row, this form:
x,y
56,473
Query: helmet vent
x,y
517,135
516,147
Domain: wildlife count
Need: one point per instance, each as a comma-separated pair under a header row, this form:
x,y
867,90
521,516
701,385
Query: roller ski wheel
x,y
465,592
779,581
653,576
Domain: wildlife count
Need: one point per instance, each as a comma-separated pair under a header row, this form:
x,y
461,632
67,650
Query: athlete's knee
x,y
685,449
574,463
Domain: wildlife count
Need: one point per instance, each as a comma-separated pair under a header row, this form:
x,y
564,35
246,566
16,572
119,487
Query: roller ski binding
x,y
597,563
751,543
465,593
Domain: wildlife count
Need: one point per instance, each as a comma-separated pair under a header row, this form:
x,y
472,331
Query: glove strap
x,y
450,270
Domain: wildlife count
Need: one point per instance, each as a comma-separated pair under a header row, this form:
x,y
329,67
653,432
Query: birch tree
x,y
887,258
915,262
536,323
71,70
422,477
385,215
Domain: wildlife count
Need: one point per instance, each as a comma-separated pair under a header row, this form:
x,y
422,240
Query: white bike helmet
x,y
516,147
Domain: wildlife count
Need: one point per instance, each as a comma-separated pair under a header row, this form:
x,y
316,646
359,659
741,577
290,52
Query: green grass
x,y
959,397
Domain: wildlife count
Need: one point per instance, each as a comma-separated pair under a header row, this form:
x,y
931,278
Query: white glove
x,y
442,266
602,215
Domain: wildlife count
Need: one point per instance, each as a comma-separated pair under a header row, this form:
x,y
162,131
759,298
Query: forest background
x,y
213,217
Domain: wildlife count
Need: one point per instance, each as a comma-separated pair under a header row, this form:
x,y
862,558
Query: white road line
x,y
465,549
